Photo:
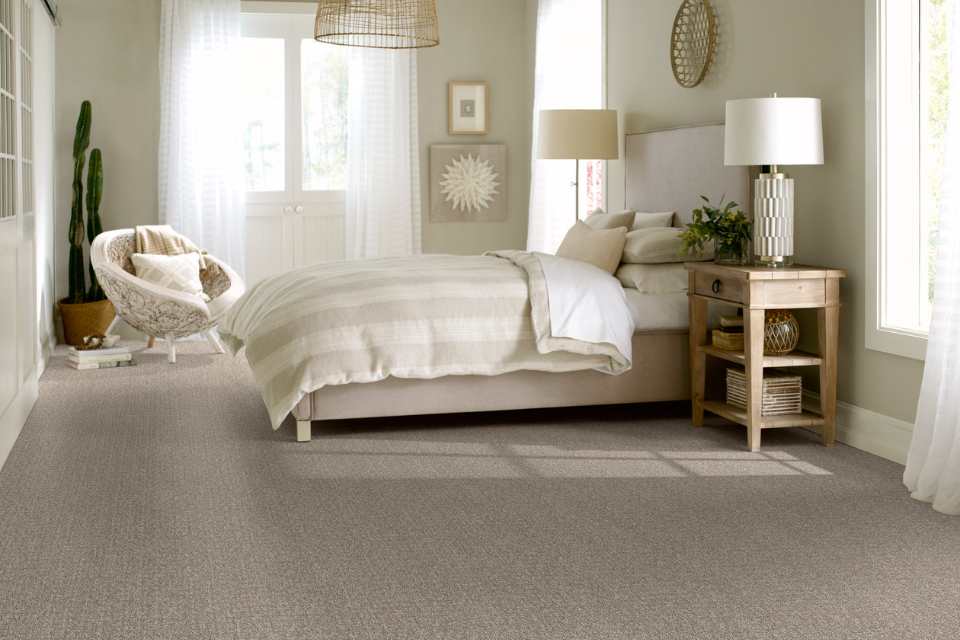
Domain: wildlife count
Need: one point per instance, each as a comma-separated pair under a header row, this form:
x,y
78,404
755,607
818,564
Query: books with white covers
x,y
119,357
99,365
98,353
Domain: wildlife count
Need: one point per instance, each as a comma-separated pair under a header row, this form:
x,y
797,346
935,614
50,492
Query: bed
x,y
664,170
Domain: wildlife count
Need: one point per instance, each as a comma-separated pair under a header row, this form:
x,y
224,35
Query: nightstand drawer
x,y
720,287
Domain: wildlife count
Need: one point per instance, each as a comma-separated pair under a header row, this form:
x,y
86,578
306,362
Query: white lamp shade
x,y
578,134
785,131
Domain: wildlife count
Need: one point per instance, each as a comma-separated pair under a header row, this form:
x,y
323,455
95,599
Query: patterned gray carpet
x,y
155,502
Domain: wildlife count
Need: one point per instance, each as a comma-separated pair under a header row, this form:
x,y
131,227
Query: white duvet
x,y
426,317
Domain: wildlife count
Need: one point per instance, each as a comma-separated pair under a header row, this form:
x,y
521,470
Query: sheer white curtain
x,y
383,156
933,465
201,155
569,75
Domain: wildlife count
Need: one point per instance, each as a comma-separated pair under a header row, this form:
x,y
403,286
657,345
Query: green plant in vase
x,y
725,225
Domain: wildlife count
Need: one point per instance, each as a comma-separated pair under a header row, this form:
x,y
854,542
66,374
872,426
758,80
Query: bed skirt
x,y
660,372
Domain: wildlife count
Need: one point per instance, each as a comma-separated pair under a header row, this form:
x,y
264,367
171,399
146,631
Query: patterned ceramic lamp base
x,y
773,219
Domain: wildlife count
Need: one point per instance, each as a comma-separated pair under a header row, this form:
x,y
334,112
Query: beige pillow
x,y
180,273
643,220
600,220
600,247
654,278
657,246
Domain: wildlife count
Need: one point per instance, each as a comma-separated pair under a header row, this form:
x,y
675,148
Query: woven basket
x,y
782,393
85,319
727,341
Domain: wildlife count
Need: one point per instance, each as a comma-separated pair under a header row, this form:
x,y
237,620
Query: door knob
x,y
299,209
288,209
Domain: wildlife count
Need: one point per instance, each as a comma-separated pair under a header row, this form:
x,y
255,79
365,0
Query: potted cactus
x,y
85,311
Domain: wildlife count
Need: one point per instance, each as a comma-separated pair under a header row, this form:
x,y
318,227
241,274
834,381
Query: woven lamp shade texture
x,y
381,24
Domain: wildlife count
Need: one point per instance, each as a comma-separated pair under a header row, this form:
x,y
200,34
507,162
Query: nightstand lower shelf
x,y
735,414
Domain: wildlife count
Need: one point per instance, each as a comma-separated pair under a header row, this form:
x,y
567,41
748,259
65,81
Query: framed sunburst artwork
x,y
468,182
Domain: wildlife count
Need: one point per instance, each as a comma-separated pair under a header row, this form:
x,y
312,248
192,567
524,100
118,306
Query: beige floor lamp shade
x,y
381,24
578,134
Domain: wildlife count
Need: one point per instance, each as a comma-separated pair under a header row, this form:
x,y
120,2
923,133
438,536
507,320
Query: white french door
x,y
295,144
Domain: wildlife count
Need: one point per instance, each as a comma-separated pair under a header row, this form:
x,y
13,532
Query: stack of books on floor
x,y
99,358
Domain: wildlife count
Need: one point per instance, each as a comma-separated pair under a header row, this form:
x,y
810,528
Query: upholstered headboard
x,y
669,170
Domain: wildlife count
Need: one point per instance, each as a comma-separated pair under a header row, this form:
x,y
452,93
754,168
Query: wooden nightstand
x,y
756,289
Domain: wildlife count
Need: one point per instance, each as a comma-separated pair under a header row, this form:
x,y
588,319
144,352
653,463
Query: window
x,y
324,83
294,107
907,93
263,60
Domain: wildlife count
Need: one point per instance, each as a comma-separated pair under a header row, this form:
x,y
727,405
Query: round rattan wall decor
x,y
693,42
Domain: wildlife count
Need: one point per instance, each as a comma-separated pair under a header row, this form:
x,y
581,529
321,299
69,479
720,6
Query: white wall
x,y
810,48
44,134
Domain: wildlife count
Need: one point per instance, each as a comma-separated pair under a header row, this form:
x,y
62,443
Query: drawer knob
x,y
716,286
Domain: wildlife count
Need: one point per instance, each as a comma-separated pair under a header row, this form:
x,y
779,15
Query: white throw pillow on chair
x,y
180,273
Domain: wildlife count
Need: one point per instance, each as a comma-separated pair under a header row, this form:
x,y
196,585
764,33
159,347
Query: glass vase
x,y
733,253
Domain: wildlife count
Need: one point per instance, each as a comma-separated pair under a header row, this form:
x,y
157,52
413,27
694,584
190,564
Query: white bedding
x,y
652,311
658,310
577,290
426,317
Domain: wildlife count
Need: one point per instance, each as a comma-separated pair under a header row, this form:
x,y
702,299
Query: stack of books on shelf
x,y
729,336
99,358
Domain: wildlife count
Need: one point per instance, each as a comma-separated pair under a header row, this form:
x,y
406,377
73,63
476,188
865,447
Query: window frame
x,y
261,14
879,336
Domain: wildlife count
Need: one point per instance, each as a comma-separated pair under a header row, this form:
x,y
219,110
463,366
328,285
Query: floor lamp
x,y
578,134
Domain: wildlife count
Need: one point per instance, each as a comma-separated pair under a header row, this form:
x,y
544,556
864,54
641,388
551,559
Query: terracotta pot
x,y
85,319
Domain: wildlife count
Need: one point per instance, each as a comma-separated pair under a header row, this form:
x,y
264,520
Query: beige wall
x,y
491,41
810,48
107,53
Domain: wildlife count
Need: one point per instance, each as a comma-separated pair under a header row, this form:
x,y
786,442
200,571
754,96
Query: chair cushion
x,y
179,273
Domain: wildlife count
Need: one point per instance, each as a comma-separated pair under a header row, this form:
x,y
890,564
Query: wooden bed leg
x,y
303,431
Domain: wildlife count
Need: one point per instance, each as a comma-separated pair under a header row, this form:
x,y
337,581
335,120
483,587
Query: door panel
x,y
26,299
9,383
267,242
320,238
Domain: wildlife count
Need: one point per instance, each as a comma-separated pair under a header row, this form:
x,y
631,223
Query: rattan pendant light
x,y
382,24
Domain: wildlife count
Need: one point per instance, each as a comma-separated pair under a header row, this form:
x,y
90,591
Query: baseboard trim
x,y
15,415
867,430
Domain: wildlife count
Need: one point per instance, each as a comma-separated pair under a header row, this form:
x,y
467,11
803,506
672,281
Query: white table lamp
x,y
578,134
773,131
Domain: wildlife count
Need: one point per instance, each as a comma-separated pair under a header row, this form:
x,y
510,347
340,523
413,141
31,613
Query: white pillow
x,y
657,246
654,278
599,247
643,220
600,220
180,273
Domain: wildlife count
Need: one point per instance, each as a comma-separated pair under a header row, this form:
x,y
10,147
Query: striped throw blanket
x,y
416,317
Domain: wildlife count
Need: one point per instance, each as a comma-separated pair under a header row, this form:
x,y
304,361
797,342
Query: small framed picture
x,y
467,111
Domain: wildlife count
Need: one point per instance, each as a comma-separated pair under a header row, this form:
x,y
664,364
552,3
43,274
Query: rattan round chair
x,y
156,311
